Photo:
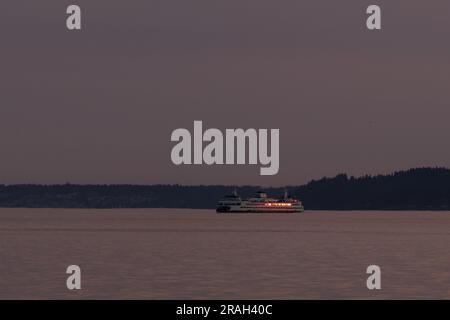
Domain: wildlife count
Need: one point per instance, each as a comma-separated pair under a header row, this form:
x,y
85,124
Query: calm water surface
x,y
198,254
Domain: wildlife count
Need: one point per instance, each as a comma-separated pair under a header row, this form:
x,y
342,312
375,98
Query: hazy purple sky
x,y
98,106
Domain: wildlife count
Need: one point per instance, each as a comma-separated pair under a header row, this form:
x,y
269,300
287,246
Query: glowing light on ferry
x,y
278,204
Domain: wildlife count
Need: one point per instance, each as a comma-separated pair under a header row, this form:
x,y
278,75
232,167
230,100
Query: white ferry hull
x,y
224,210
259,209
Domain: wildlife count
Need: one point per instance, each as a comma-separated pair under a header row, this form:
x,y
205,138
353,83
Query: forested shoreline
x,y
414,189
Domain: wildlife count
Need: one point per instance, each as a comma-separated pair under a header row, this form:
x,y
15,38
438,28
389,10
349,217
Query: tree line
x,y
414,189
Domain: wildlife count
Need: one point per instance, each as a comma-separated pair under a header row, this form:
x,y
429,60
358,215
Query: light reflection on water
x,y
198,254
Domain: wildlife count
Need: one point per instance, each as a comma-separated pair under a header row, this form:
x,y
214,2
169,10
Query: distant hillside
x,y
414,189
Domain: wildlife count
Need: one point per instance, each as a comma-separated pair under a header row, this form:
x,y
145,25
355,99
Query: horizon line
x,y
226,185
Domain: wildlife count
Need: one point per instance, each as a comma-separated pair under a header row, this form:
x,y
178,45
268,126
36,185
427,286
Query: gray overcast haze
x,y
99,105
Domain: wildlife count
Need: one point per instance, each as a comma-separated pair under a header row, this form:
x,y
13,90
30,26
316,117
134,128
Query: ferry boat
x,y
259,204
